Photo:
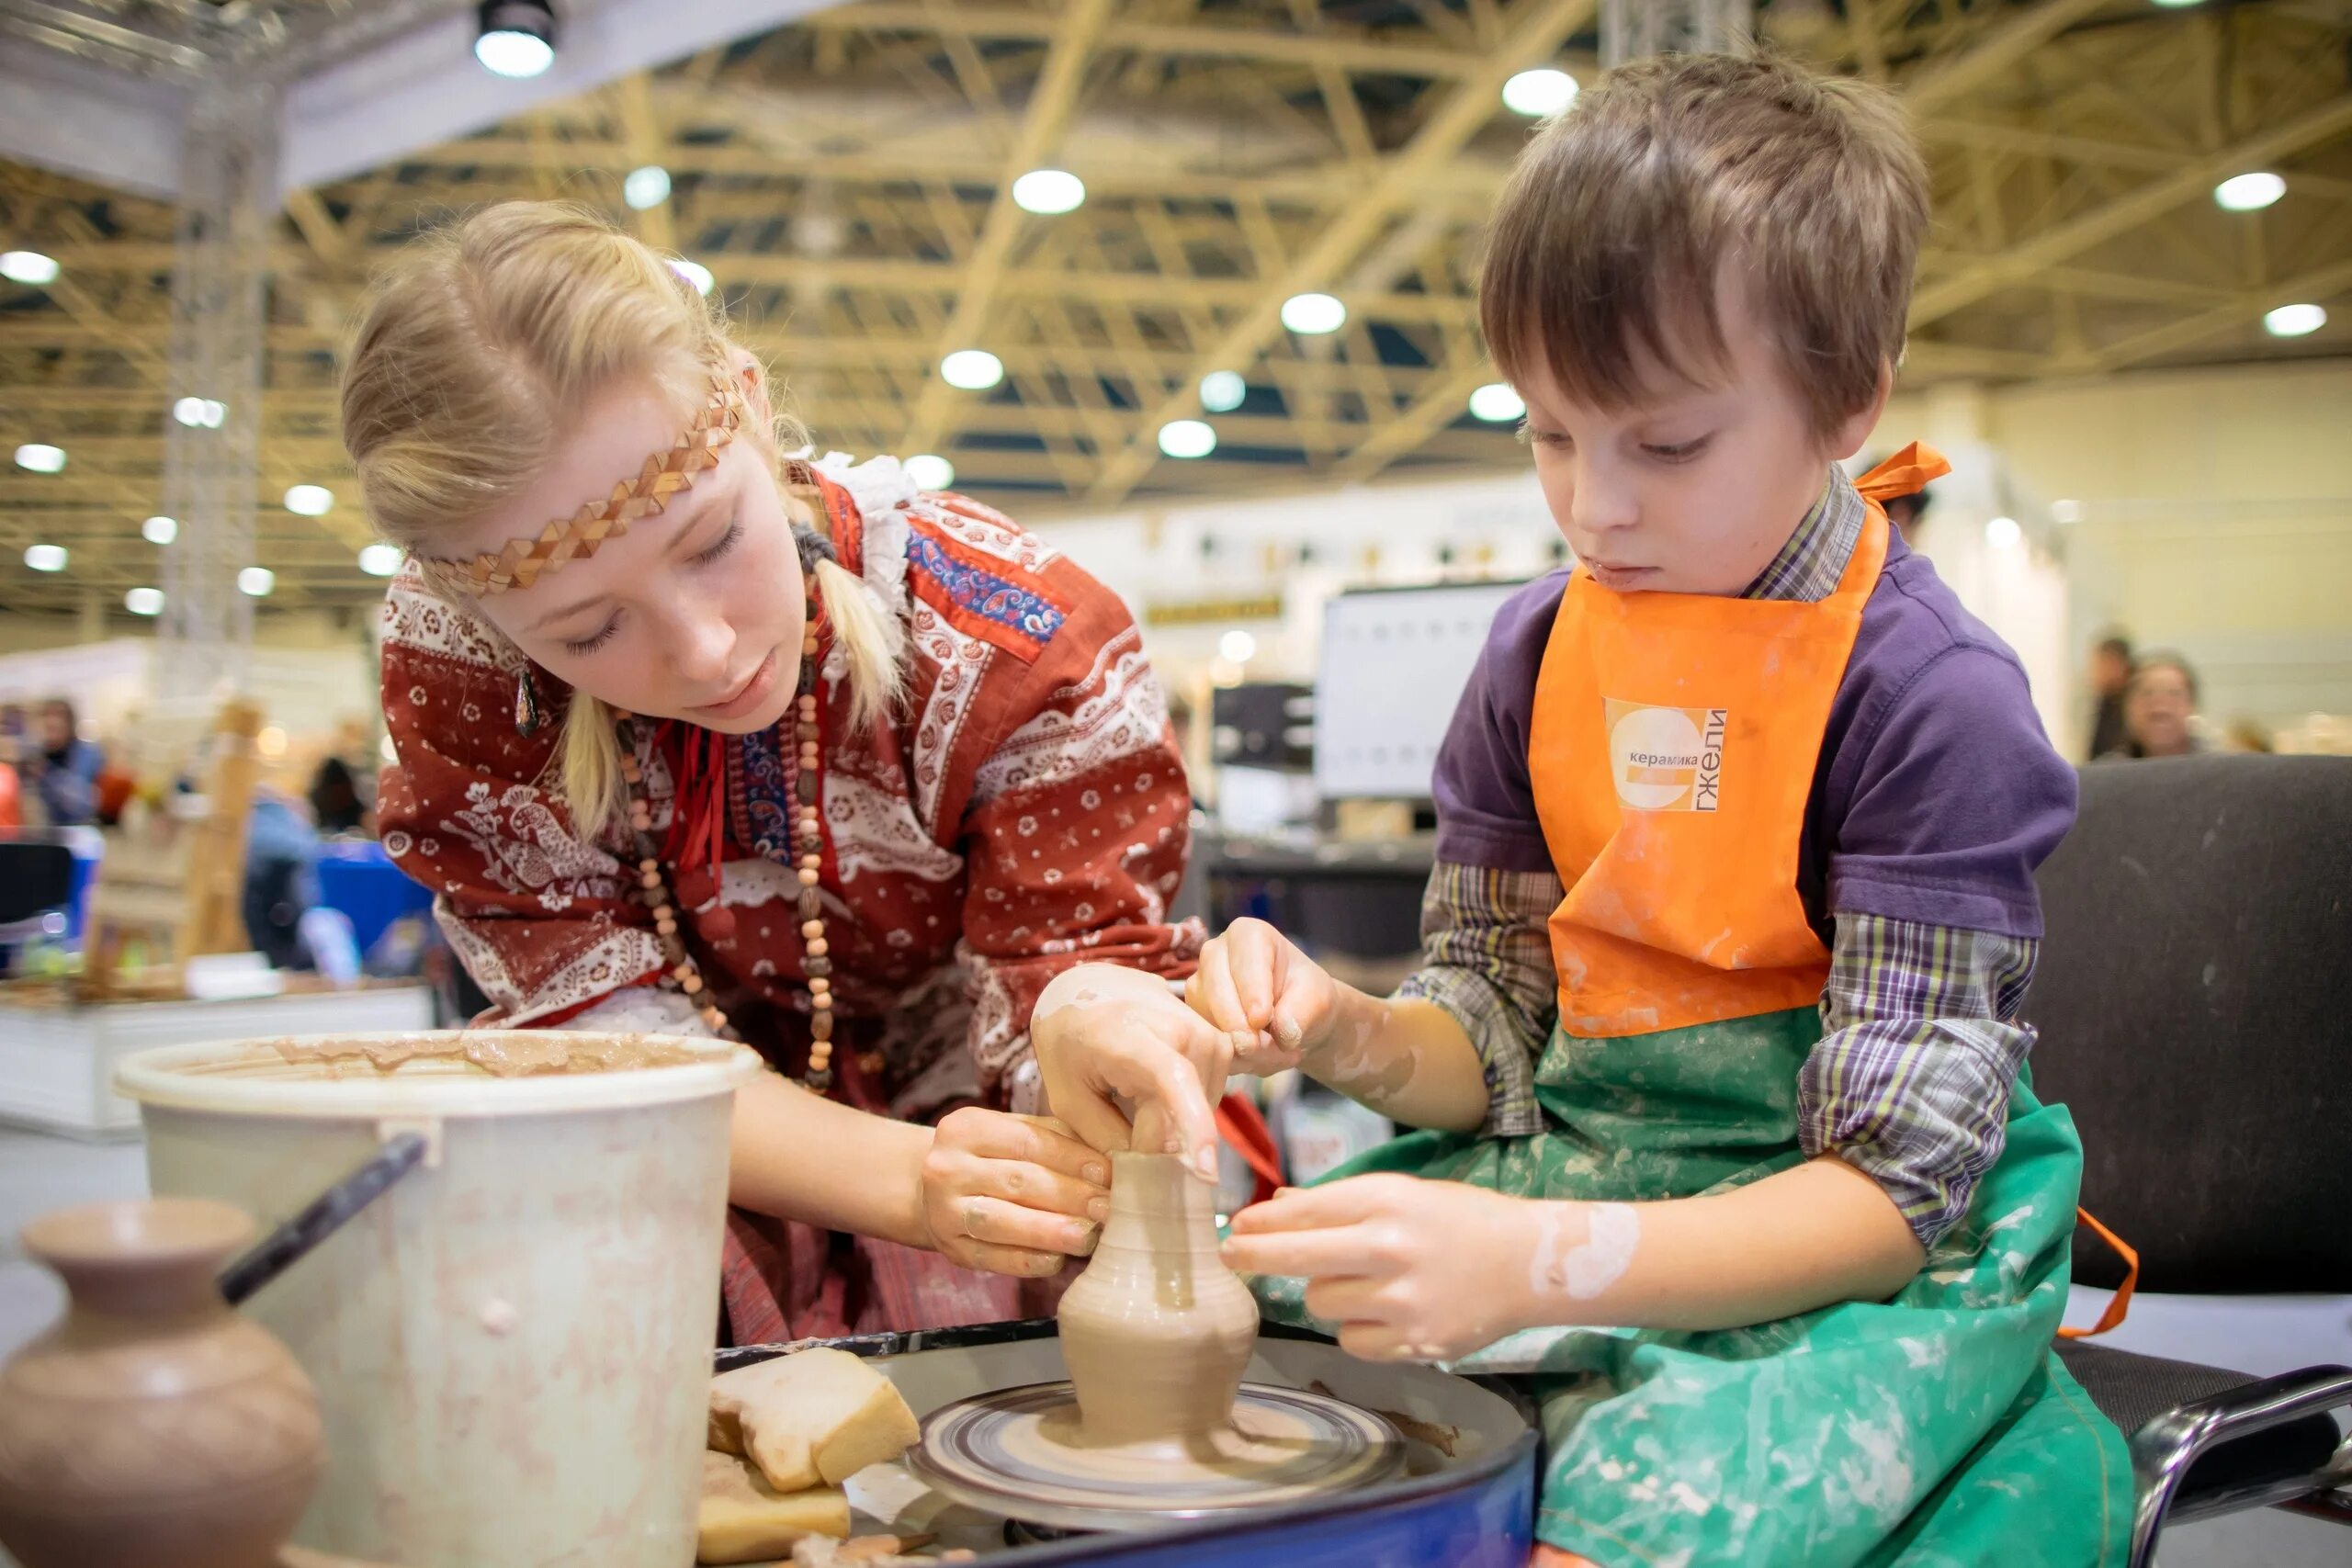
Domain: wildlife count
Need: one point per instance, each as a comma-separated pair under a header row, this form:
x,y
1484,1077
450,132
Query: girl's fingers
x,y
1031,1185
1019,1262
992,1221
1039,1141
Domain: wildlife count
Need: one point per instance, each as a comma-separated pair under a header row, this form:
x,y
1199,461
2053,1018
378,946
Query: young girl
x,y
1718,1055
695,736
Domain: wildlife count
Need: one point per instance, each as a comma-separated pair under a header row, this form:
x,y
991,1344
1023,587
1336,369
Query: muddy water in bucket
x,y
511,1346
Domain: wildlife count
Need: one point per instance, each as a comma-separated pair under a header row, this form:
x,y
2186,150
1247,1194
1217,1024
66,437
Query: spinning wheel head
x,y
1020,1452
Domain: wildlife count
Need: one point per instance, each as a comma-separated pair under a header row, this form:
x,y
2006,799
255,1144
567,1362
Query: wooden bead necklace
x,y
680,971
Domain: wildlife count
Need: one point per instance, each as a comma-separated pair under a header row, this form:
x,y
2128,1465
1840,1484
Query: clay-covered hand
x,y
1275,1003
1108,1039
1409,1270
1012,1194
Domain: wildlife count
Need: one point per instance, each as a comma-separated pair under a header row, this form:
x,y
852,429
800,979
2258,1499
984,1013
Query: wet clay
x,y
1157,1331
505,1054
152,1425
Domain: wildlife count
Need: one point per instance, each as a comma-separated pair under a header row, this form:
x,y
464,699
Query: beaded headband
x,y
577,537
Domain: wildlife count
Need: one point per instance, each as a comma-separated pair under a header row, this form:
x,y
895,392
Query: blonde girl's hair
x,y
474,354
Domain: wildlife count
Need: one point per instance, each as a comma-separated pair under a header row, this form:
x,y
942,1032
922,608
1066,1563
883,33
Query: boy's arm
x,y
1488,970
1432,1271
1911,1083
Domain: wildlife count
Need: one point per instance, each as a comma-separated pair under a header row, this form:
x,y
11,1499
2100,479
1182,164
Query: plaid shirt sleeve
x,y
1921,1045
1488,962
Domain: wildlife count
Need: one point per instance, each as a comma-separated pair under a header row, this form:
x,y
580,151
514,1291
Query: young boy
x,y
1717,1048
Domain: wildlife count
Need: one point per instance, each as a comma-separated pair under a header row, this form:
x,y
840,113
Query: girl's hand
x,y
1255,986
1410,1269
1012,1194
1108,1039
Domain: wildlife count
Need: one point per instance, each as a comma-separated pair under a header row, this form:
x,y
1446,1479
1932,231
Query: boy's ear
x,y
1849,436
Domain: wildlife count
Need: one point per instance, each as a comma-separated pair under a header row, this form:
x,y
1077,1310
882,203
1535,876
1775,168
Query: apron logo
x,y
1666,759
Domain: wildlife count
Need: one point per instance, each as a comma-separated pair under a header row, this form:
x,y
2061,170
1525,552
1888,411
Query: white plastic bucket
x,y
511,1346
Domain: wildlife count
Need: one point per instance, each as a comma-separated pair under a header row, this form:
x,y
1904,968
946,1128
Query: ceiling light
x,y
1539,93
972,370
144,601
201,413
1496,402
1048,191
648,187
39,457
270,740
517,37
2250,193
1238,647
1187,439
2066,510
255,582
31,268
159,530
695,273
1314,313
1223,390
379,561
46,558
2003,533
2178,4
930,471
310,501
2286,321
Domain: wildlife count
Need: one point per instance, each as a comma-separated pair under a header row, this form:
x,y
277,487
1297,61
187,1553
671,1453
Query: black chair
x,y
2193,1019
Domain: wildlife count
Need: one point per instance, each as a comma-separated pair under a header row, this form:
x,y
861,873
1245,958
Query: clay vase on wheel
x,y
152,1425
1157,1331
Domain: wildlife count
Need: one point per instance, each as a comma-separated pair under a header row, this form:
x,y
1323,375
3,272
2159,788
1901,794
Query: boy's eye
x,y
1530,436
1678,452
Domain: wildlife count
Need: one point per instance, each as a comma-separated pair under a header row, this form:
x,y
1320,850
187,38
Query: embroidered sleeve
x,y
536,915
1489,962
1075,829
1911,1080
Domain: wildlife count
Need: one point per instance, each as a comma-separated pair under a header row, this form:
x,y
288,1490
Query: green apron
x,y
1933,1429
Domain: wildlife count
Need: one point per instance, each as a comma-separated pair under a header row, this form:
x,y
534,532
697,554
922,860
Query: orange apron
x,y
1673,747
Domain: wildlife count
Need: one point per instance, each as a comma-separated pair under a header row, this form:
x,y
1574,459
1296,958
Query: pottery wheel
x,y
1019,1452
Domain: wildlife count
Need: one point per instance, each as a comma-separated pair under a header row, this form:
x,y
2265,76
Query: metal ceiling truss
x,y
848,179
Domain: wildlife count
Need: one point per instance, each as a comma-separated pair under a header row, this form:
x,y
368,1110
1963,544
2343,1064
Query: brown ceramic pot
x,y
152,1424
1157,1331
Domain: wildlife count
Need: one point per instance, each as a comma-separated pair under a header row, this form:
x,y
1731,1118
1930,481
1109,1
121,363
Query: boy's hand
x,y
1410,1269
1109,1038
1275,1003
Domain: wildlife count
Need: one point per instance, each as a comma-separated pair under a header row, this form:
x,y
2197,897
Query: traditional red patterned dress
x,y
1026,812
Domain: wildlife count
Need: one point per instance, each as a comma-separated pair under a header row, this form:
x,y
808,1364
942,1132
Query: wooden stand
x,y
185,890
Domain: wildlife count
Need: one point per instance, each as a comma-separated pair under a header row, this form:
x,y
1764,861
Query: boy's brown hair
x,y
1607,242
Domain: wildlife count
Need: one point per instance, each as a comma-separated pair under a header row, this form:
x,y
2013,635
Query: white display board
x,y
1395,662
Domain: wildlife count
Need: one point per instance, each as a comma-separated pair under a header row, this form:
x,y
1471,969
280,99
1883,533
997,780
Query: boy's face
x,y
1695,490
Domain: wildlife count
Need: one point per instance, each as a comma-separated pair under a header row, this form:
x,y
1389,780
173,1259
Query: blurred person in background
x,y
336,799
2160,709
62,767
2110,674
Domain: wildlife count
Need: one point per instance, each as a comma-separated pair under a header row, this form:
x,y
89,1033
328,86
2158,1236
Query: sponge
x,y
817,1415
743,1520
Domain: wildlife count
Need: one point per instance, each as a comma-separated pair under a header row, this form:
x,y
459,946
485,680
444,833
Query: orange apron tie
x,y
2119,1306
